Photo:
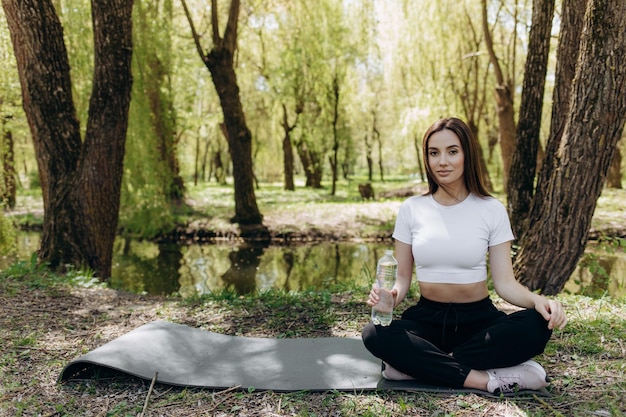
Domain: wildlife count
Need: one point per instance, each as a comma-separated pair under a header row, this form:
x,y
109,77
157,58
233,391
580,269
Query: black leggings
x,y
440,343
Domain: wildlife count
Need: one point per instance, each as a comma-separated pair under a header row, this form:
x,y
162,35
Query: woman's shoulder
x,y
415,200
488,200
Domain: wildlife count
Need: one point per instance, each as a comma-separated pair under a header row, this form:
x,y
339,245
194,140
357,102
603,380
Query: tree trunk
x,y
376,138
504,104
334,164
524,162
220,63
572,21
559,224
288,152
418,154
311,162
614,179
80,181
8,166
368,158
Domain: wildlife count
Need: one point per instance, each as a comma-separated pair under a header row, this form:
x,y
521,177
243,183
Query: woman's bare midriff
x,y
454,293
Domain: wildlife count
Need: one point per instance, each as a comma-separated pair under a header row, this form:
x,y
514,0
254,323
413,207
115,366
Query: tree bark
x,y
560,222
80,181
524,161
572,21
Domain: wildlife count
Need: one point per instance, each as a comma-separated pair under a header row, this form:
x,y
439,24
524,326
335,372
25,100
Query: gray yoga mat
x,y
184,356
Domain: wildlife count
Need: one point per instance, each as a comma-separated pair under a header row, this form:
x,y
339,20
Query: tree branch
x,y
489,43
230,34
194,33
217,41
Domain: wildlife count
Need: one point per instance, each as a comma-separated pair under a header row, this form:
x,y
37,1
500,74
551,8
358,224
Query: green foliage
x,y
148,176
146,219
7,236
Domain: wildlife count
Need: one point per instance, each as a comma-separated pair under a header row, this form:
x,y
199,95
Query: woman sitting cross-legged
x,y
454,336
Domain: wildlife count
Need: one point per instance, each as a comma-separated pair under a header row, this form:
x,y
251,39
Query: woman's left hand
x,y
552,311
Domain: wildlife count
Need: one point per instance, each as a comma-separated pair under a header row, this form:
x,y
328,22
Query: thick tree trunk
x,y
521,182
80,182
572,21
103,151
220,64
559,224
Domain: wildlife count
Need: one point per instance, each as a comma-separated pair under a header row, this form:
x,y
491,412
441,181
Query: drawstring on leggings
x,y
445,318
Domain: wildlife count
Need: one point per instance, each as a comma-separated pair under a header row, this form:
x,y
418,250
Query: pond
x,y
145,267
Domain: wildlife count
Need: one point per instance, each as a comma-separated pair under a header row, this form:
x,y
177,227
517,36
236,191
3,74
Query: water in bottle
x,y
386,270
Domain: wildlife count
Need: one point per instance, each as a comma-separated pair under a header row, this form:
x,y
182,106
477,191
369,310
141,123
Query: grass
x,y
47,321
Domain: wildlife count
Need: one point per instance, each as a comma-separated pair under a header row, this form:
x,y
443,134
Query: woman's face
x,y
446,159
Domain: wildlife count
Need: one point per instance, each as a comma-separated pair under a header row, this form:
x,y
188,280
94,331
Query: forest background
x,y
346,86
349,87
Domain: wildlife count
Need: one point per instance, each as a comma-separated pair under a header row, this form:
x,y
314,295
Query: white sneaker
x,y
526,375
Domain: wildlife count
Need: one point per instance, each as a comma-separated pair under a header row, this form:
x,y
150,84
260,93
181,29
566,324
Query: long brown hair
x,y
472,170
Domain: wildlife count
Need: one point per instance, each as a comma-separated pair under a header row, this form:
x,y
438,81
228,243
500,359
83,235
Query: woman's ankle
x,y
476,379
391,373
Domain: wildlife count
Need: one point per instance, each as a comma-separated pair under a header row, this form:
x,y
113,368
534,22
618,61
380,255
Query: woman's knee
x,y
378,339
370,337
535,324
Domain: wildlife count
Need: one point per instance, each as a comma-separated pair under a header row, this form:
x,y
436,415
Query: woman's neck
x,y
450,197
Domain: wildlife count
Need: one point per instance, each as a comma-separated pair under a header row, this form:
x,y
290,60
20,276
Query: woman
x,y
455,336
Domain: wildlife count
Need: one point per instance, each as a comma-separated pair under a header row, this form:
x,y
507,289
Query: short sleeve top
x,y
450,243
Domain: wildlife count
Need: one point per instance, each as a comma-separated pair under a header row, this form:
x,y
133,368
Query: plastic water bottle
x,y
386,270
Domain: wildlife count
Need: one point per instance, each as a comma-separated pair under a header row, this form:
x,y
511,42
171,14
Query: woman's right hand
x,y
374,296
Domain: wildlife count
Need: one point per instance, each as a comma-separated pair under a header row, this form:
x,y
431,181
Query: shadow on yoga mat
x,y
183,356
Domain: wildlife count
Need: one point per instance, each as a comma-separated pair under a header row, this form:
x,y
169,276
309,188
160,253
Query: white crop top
x,y
450,243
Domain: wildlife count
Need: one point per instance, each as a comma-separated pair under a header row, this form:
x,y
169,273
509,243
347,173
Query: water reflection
x,y
244,262
163,269
245,268
146,267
